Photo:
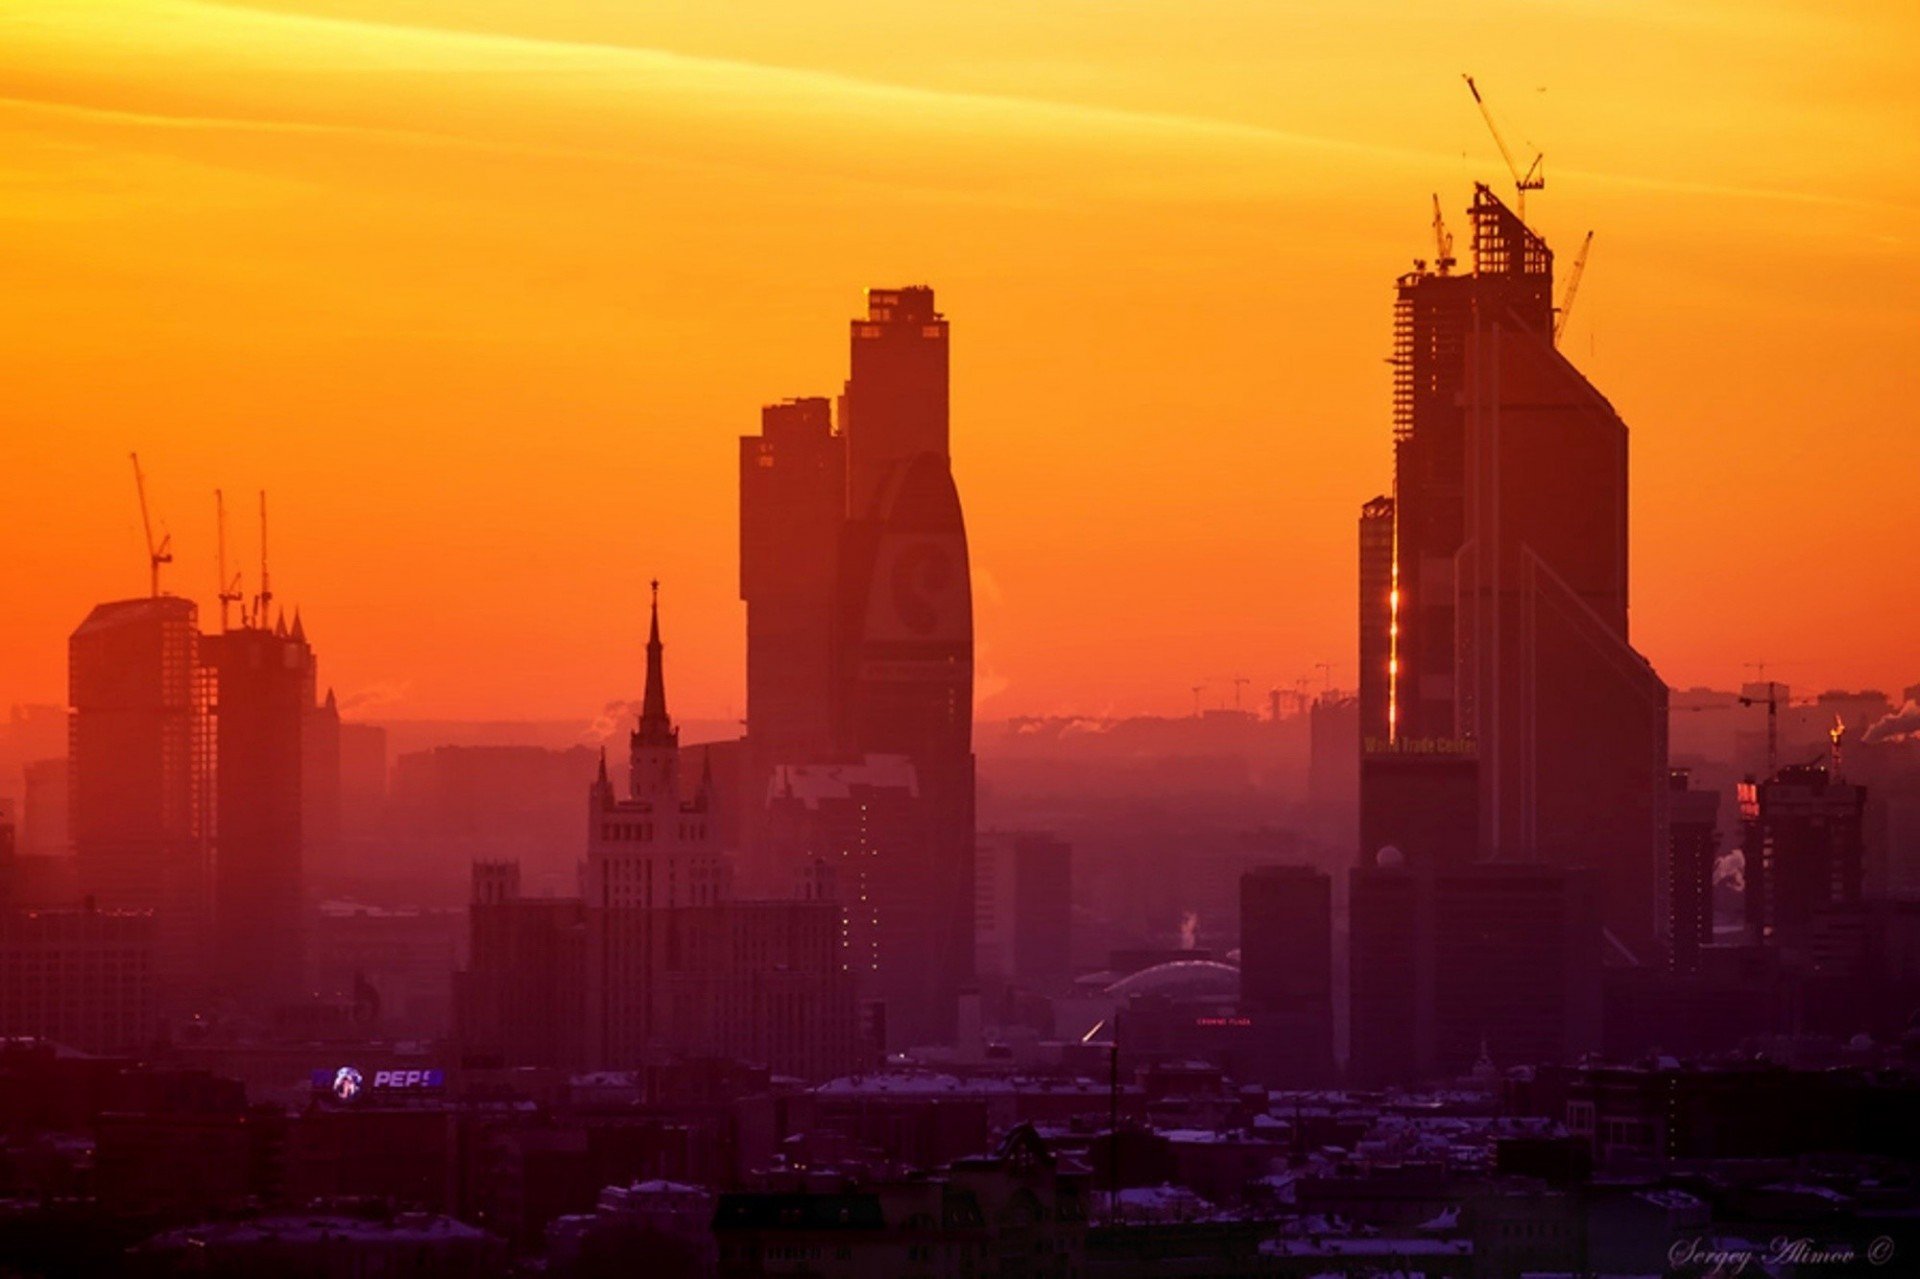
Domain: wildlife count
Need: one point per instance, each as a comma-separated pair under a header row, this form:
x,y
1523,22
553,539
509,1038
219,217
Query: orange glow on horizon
x,y
482,292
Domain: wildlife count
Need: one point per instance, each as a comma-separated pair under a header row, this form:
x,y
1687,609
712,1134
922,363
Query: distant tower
x,y
140,776
268,735
905,640
793,501
1502,611
650,852
1286,970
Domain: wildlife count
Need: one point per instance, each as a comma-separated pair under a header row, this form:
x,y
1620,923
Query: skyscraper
x,y
1692,843
1286,969
262,685
140,755
906,637
793,501
1804,850
1504,619
860,645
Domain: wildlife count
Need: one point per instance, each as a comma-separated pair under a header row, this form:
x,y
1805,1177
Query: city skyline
x,y
393,430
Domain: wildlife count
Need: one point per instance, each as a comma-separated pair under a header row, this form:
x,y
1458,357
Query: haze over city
x,y
483,293
1058,640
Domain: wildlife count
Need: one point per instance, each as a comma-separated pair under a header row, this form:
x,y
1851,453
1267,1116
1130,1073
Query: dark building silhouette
x,y
1804,850
44,812
1693,844
854,567
521,1001
1504,621
262,686
647,854
1023,884
657,958
793,501
1389,972
82,978
140,754
1286,969
906,602
1449,962
858,834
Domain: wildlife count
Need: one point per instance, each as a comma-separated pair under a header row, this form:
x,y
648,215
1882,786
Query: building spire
x,y
655,727
654,747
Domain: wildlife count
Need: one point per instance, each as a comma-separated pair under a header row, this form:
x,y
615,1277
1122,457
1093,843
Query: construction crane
x,y
1565,308
1535,178
162,552
229,586
1442,240
261,617
1772,702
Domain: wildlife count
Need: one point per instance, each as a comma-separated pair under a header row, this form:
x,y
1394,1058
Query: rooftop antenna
x,y
1196,699
1565,308
229,586
265,597
157,554
1534,179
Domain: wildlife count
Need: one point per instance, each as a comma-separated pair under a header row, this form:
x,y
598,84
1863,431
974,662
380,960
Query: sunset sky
x,y
483,291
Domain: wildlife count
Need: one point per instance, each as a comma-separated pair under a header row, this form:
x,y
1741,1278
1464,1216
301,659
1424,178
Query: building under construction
x,y
1493,635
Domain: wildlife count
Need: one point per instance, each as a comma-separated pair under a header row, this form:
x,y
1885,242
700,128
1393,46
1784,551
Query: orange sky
x,y
483,290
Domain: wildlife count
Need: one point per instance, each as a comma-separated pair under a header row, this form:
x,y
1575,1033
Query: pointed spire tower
x,y
654,748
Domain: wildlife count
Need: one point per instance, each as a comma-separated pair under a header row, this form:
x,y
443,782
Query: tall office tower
x,y
905,645
1693,843
896,398
1804,849
1378,601
1505,624
140,767
1286,970
262,683
647,853
793,501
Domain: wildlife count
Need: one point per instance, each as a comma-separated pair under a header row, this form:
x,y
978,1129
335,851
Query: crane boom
x,y
1565,308
229,586
265,597
1534,179
1442,240
162,552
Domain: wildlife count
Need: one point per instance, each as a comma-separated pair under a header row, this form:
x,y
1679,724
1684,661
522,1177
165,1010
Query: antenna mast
x,y
159,554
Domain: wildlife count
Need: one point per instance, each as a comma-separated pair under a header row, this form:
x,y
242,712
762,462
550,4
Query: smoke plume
x,y
1894,724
